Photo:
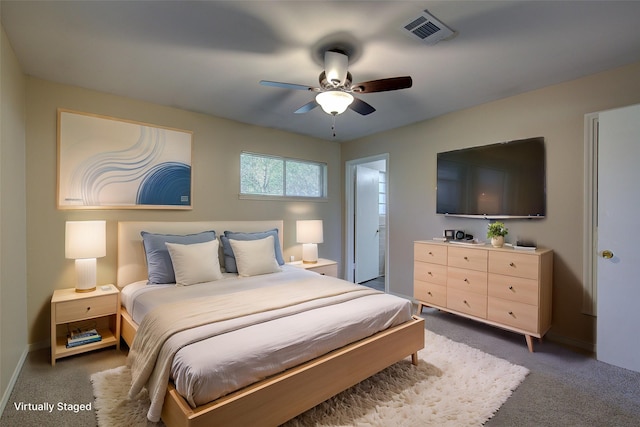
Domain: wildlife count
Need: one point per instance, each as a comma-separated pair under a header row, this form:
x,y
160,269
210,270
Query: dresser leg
x,y
420,307
529,342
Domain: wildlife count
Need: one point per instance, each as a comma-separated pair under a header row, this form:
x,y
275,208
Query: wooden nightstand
x,y
323,266
99,309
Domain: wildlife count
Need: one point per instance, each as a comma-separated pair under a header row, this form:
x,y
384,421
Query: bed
x,y
334,338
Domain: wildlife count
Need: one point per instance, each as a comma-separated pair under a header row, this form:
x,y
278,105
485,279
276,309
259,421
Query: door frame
x,y
590,230
350,175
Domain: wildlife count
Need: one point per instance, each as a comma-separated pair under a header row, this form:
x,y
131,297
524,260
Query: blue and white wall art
x,y
117,164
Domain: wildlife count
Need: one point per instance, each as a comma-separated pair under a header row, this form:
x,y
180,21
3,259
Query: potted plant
x,y
496,232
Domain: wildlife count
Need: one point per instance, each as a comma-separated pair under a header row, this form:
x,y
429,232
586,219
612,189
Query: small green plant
x,y
496,229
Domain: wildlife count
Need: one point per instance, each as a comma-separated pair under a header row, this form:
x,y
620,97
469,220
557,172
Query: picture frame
x,y
111,163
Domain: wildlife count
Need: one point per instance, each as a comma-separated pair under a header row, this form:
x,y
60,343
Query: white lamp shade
x,y
85,239
334,101
309,231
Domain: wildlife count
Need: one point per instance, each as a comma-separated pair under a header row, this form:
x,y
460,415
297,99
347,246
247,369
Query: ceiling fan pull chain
x,y
333,125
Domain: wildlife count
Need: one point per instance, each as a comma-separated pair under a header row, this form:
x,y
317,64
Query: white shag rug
x,y
453,385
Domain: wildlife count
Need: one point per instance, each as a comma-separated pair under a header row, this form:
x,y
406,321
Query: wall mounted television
x,y
497,181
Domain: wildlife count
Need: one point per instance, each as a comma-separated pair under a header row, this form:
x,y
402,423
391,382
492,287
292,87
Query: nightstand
x,y
99,309
323,266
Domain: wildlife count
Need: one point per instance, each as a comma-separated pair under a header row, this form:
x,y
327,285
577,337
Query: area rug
x,y
453,385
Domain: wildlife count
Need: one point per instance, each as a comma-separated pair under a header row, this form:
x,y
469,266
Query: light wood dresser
x,y
502,287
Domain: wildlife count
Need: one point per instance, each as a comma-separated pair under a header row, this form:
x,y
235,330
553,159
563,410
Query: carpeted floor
x,y
563,388
453,385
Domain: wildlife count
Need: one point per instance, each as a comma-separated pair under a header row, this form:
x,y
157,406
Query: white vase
x,y
497,241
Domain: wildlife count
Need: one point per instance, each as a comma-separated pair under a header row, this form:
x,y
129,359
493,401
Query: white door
x,y
367,245
618,265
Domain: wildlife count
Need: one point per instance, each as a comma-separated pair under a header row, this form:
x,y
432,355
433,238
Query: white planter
x,y
497,242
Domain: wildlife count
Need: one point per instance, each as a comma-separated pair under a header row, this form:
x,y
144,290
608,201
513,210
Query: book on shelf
x,y
83,337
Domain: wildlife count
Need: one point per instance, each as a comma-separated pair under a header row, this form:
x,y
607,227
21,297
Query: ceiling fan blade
x,y
383,85
286,85
361,107
307,107
335,67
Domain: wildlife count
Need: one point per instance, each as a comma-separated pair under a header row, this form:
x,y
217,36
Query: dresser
x,y
502,287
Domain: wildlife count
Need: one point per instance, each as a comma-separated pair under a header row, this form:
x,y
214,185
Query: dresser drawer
x,y
467,280
430,293
515,314
433,273
436,254
467,302
514,264
513,288
472,259
71,311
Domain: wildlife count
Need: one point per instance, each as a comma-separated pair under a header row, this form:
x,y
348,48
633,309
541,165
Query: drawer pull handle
x,y
466,280
430,253
88,308
511,314
511,288
430,273
429,293
512,264
466,258
465,301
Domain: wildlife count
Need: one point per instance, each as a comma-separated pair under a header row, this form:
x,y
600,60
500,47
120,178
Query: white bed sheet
x,y
213,367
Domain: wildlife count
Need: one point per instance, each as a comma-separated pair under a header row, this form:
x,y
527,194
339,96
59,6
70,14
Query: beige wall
x,y
217,144
13,272
556,113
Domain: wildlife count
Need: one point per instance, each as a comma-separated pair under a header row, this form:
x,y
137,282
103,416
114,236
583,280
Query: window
x,y
263,175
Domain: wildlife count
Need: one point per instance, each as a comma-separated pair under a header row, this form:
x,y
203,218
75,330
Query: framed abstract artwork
x,y
108,163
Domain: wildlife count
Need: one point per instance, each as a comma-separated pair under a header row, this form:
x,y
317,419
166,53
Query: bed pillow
x,y
229,258
195,263
159,266
254,257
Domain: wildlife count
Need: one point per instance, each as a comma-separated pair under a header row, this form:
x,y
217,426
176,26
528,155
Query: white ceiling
x,y
209,56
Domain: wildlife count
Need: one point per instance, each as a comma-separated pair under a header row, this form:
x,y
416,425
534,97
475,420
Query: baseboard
x,y
14,378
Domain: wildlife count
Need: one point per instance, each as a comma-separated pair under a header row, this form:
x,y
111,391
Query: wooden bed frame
x,y
281,397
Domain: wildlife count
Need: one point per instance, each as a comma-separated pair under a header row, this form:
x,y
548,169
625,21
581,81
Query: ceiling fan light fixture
x,y
334,102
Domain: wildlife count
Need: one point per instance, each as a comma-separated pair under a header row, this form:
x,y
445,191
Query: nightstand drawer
x,y
327,270
72,311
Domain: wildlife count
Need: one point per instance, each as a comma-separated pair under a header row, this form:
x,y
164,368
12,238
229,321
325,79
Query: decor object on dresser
x,y
496,232
498,286
309,233
98,310
84,242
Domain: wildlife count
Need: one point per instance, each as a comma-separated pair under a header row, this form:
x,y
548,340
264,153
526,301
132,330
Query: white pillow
x,y
254,257
195,263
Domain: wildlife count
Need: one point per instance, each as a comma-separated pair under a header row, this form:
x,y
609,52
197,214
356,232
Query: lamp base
x,y
309,253
86,275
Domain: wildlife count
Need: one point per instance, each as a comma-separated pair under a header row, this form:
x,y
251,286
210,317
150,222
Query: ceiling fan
x,y
335,93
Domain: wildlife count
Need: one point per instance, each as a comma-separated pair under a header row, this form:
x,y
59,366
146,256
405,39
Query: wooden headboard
x,y
132,265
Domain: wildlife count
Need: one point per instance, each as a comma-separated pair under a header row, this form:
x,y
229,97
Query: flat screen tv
x,y
505,180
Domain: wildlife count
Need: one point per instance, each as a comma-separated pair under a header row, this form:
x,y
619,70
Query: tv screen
x,y
505,180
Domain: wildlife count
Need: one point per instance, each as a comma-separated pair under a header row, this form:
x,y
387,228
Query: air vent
x,y
427,29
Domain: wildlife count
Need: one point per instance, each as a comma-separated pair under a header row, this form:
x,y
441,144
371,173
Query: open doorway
x,y
367,195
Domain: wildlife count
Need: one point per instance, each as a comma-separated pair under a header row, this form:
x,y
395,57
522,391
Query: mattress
x,y
210,368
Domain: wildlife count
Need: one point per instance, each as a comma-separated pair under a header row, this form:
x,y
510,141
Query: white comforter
x,y
269,342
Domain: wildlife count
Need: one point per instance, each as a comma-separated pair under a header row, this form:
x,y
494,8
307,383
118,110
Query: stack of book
x,y
83,337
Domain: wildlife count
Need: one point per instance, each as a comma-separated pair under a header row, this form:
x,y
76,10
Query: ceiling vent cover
x,y
427,28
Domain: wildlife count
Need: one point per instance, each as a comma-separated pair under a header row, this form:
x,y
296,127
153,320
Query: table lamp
x,y
84,242
309,233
